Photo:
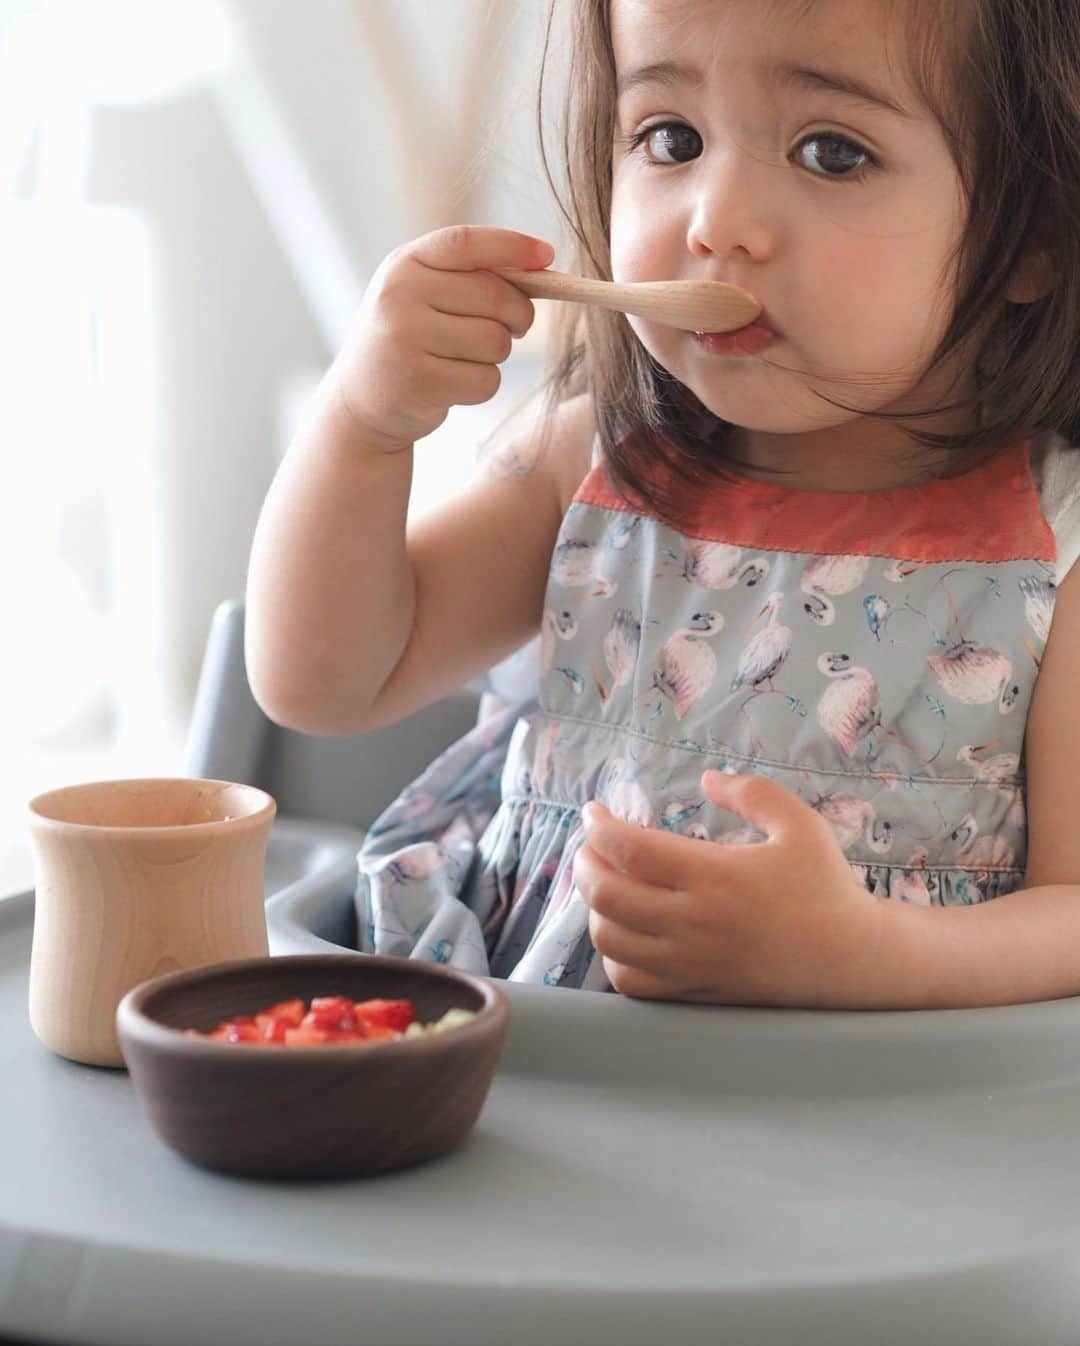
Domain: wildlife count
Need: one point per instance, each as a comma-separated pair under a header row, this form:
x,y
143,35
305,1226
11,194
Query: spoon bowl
x,y
693,305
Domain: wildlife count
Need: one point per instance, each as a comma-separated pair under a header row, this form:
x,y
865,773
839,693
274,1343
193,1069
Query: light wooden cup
x,y
135,878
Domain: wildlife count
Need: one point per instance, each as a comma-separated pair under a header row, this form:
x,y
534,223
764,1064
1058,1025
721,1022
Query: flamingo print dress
x,y
873,651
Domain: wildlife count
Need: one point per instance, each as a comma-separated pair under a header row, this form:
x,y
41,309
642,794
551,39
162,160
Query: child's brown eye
x,y
836,155
671,142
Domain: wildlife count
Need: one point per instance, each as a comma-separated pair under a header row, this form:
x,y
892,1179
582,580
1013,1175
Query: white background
x,y
193,195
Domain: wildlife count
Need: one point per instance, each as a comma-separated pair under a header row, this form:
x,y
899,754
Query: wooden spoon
x,y
694,305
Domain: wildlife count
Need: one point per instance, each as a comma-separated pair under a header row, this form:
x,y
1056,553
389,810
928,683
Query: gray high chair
x,y
328,791
684,1173
640,1172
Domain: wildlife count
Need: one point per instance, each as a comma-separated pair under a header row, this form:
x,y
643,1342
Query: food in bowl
x,y
380,1106
330,1019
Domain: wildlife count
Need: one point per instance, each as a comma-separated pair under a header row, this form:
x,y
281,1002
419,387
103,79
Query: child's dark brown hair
x,y
1003,79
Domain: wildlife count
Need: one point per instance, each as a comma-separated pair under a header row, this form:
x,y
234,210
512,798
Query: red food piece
x,y
378,1032
272,1029
330,1019
333,1012
303,1037
237,1030
397,1014
291,1011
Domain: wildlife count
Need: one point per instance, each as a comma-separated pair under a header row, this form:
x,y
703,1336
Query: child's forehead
x,y
864,38
778,18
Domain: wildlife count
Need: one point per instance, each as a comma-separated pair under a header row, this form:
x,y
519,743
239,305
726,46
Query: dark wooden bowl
x,y
339,1110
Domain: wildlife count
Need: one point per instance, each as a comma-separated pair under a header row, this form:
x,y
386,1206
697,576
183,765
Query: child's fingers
x,y
482,294
463,383
470,247
434,304
638,906
479,339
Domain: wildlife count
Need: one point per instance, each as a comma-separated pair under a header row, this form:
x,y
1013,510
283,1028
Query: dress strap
x,y
942,519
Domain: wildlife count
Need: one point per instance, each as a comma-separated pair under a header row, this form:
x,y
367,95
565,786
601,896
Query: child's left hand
x,y
781,922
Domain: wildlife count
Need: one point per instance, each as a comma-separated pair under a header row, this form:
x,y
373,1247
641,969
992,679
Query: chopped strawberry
x,y
292,1011
341,1020
329,1019
239,1031
377,1032
301,1037
397,1014
272,1028
332,1012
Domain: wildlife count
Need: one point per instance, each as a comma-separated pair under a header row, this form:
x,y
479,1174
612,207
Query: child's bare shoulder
x,y
559,449
501,527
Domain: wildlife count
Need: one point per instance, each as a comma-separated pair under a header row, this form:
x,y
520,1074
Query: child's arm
x,y
1026,945
785,922
350,623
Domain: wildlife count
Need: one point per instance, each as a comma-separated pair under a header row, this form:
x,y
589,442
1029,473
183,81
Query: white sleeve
x,y
1056,464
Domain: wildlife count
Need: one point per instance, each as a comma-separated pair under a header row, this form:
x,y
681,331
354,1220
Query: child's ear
x,y
1033,278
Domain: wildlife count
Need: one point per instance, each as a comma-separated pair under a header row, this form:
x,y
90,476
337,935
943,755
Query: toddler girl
x,y
802,605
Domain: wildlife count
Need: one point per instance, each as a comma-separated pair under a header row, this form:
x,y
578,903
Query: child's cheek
x,y
638,253
637,265
635,254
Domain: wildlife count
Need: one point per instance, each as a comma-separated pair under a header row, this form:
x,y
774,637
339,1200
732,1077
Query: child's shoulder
x,y
1055,467
557,448
572,445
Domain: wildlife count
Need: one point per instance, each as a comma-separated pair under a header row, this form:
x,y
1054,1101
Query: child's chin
x,y
741,394
750,413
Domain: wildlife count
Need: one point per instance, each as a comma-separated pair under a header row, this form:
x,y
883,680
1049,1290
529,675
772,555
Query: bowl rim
x,y
133,1021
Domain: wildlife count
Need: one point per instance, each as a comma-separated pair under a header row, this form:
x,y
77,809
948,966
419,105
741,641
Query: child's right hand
x,y
433,326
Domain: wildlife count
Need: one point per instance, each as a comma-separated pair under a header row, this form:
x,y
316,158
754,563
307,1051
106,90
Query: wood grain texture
x,y
333,1110
693,305
135,878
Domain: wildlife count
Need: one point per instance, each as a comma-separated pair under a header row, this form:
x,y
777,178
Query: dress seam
x,y
1016,784
787,551
517,797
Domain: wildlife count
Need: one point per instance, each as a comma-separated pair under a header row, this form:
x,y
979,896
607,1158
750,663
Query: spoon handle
x,y
679,303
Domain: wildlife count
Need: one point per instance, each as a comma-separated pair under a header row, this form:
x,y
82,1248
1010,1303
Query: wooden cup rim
x,y
40,817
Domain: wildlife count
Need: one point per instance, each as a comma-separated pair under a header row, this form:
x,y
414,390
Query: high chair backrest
x,y
342,780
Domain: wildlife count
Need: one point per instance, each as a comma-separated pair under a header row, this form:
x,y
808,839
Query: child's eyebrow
x,y
674,72
840,83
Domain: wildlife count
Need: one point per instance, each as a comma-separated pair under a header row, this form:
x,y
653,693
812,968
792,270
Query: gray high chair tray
x,y
640,1173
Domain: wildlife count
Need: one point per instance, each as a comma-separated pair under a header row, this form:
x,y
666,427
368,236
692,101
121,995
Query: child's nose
x,y
733,205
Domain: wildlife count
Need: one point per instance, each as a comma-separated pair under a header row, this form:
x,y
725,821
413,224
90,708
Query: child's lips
x,y
764,320
749,340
